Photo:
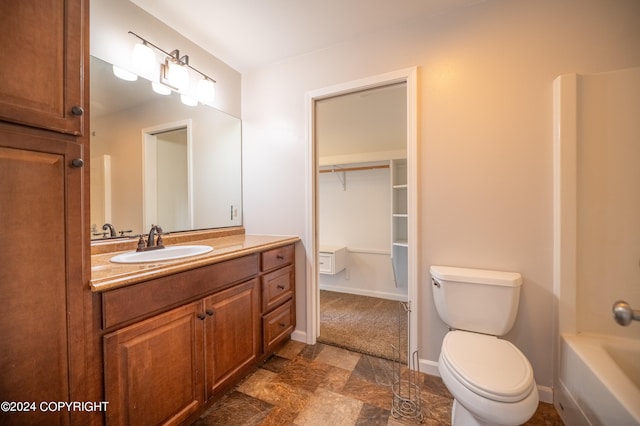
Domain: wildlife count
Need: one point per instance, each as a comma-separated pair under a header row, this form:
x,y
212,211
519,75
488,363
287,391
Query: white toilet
x,y
491,380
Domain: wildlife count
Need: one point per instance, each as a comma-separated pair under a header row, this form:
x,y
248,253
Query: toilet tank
x,y
476,300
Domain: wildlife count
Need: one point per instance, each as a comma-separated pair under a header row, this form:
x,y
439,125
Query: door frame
x,y
408,76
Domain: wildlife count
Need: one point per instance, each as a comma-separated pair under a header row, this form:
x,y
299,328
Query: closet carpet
x,y
368,325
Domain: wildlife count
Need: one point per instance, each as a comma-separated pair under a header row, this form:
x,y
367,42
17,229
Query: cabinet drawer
x,y
325,263
277,257
277,325
277,286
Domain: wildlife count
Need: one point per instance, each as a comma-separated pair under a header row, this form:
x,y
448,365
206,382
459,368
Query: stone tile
x,y
257,381
275,364
305,374
312,351
279,416
266,386
436,407
435,385
372,393
545,415
338,357
370,415
291,349
336,379
376,370
329,408
236,408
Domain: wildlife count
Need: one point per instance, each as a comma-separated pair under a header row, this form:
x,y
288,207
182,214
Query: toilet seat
x,y
490,367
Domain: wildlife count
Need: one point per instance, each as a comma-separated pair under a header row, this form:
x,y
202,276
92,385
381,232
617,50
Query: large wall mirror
x,y
157,161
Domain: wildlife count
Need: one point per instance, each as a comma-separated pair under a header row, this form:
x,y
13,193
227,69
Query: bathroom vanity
x,y
177,334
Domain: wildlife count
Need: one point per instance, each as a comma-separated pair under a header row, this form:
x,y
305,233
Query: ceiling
x,y
246,34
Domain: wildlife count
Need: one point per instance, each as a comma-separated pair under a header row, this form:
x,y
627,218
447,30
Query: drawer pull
x,y
280,287
282,325
280,257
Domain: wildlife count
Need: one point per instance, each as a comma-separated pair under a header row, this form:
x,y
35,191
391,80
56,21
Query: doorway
x,y
166,186
406,77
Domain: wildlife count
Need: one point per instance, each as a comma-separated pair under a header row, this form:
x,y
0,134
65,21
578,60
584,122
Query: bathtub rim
x,y
589,348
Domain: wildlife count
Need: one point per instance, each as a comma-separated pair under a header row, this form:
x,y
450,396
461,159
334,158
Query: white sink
x,y
159,255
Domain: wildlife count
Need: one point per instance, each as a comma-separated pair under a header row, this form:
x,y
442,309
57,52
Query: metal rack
x,y
407,402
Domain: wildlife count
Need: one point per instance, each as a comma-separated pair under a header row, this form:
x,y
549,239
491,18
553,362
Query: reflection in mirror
x,y
137,181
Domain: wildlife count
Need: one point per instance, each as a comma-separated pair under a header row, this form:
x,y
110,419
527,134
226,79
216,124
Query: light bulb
x,y
188,100
124,74
160,88
206,91
178,76
143,59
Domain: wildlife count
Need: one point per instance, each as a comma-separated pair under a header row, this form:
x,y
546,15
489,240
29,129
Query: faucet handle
x,y
141,243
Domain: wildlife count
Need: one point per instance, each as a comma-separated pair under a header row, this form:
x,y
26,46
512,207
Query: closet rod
x,y
351,169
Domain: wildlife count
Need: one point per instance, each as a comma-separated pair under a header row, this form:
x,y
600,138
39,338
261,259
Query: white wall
x,y
485,139
608,199
358,217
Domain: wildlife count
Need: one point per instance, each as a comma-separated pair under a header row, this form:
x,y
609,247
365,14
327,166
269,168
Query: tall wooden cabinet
x,y
43,280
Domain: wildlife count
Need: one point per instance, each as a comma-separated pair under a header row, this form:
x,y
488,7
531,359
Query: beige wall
x,y
485,139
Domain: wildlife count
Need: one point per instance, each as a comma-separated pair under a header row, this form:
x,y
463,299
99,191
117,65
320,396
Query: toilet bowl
x,y
492,382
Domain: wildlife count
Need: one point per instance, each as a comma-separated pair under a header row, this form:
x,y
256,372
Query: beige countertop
x,y
106,275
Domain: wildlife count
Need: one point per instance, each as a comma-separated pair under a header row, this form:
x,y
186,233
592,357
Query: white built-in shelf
x,y
332,259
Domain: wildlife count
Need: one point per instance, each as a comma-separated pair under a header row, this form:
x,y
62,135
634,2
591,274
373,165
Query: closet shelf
x,y
353,169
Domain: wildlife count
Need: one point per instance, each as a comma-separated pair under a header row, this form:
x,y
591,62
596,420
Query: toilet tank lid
x,y
477,276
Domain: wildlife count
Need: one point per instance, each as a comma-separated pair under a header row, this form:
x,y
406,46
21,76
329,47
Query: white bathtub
x,y
599,380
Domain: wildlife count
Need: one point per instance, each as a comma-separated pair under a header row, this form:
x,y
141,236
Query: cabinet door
x,y
153,369
41,74
232,333
41,319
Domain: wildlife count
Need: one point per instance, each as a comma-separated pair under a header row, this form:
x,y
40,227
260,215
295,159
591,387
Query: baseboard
x,y
546,394
429,367
361,292
299,336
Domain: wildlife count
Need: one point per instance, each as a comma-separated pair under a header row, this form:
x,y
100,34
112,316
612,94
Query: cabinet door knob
x,y
209,312
77,110
77,162
201,316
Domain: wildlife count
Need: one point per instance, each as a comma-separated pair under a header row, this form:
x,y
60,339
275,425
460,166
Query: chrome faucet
x,y
111,228
623,314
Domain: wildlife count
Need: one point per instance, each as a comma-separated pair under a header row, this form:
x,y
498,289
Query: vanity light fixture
x,y
124,74
174,73
160,88
143,59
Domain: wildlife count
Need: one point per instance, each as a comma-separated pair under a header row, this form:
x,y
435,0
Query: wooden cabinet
x,y
153,369
232,334
174,344
278,307
42,74
43,279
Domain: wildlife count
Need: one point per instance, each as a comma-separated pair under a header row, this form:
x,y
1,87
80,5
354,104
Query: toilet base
x,y
460,416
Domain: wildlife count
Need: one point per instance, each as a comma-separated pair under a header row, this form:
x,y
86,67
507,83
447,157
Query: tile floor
x,y
324,385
